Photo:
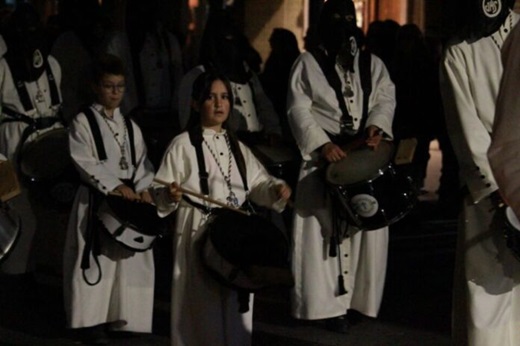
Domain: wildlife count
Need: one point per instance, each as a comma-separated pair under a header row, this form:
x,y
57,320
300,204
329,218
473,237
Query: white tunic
x,y
486,279
10,137
312,110
124,295
205,312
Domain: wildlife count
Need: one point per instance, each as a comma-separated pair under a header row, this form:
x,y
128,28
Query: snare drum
x,y
245,251
512,232
367,189
10,226
45,162
134,225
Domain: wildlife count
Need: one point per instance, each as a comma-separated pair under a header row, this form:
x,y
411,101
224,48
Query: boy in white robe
x,y
114,290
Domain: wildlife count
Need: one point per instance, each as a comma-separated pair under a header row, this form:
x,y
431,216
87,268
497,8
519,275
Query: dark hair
x,y
107,64
201,90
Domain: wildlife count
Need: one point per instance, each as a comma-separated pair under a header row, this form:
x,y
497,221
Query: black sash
x,y
98,139
327,66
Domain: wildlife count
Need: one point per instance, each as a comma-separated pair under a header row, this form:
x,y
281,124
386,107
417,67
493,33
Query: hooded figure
x,y
487,276
337,31
24,35
484,17
337,267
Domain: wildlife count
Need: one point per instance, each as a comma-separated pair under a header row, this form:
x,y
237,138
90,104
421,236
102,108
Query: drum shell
x,y
233,243
378,202
10,230
46,166
125,232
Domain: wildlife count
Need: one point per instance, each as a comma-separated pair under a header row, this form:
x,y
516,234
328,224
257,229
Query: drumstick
x,y
204,197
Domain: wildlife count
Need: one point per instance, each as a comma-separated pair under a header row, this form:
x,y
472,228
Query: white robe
x,y
312,110
124,296
484,295
18,261
204,312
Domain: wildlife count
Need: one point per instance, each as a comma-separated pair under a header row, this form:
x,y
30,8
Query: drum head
x,y
47,156
360,165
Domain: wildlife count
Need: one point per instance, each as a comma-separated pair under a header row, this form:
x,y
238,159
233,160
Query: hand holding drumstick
x,y
175,192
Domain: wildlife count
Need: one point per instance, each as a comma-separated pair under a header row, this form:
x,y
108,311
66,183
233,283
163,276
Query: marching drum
x,y
45,162
245,251
134,225
512,232
10,226
367,189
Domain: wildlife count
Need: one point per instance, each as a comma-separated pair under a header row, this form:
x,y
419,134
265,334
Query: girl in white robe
x,y
122,300
205,312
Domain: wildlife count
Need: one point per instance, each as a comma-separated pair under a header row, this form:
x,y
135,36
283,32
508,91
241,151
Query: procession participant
x,y
205,312
321,116
106,286
30,102
485,272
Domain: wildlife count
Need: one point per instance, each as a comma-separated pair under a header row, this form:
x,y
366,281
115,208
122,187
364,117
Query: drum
x,y
9,186
46,164
245,251
368,191
134,225
512,232
10,226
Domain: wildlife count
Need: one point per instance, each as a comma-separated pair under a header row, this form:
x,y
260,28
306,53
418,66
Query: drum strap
x,y
328,68
196,140
98,139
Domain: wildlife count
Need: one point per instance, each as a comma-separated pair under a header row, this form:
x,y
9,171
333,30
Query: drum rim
x,y
16,238
378,173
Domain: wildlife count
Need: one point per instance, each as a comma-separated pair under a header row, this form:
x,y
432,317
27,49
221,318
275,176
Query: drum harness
x,y
33,124
196,140
347,135
95,197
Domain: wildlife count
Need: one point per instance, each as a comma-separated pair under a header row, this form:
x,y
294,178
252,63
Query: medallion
x,y
123,164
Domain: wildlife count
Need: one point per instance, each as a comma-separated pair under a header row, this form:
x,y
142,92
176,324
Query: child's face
x,y
110,90
215,109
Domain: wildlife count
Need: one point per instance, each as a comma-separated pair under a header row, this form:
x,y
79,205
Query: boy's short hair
x,y
107,64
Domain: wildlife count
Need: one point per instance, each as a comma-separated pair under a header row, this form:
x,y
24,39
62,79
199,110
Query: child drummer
x,y
106,287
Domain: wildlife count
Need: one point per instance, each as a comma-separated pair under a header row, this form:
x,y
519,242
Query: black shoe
x,y
338,324
93,335
354,317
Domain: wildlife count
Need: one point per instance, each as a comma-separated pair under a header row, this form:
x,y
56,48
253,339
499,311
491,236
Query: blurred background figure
x,y
417,96
275,76
153,58
76,49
